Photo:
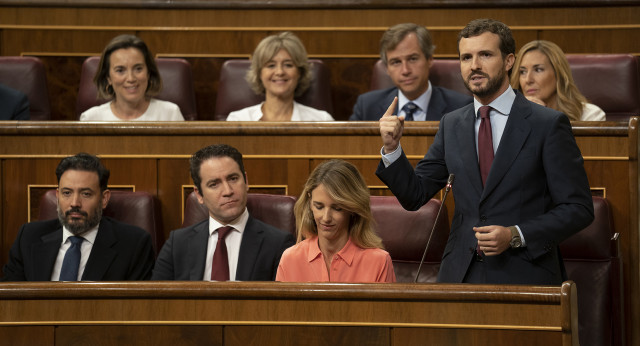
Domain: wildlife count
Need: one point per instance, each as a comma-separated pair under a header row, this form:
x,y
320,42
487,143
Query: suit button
x,y
483,218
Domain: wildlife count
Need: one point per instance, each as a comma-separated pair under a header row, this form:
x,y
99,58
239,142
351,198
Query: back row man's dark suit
x,y
372,105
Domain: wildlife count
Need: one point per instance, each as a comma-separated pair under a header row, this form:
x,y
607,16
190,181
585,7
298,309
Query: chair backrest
x,y
135,208
28,75
234,92
405,234
444,73
177,86
610,81
593,262
275,210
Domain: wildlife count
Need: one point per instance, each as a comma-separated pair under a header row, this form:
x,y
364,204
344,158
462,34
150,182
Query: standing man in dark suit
x,y
520,188
407,52
252,249
15,104
80,244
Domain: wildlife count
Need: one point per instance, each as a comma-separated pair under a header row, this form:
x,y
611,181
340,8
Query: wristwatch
x,y
516,241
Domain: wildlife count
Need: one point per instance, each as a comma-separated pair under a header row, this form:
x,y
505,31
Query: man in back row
x,y
80,245
407,52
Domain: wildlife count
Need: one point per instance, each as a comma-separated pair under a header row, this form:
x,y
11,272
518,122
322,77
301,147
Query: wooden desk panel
x,y
286,313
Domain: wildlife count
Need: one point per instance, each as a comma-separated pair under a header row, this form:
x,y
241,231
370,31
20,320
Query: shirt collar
x,y
238,224
422,101
347,252
502,103
89,235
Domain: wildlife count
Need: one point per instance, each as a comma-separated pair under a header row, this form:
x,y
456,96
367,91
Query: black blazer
x,y
120,252
372,105
183,255
15,104
537,181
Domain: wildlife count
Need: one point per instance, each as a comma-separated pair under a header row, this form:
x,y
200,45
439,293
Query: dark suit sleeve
x,y
14,269
142,261
569,188
287,242
358,109
22,110
164,269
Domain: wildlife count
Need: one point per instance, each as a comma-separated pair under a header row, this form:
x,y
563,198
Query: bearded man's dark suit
x,y
537,181
120,252
184,254
372,105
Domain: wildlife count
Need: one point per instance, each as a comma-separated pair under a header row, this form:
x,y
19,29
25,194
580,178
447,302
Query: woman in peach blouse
x,y
336,239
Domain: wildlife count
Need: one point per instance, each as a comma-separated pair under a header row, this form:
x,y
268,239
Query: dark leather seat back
x,y
610,81
593,261
28,75
444,73
177,86
275,210
234,92
135,208
405,234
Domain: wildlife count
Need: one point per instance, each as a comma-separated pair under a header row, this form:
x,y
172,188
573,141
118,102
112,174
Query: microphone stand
x,y
444,198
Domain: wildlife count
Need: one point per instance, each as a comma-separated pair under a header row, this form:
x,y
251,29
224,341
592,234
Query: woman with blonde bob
x,y
279,71
336,239
542,74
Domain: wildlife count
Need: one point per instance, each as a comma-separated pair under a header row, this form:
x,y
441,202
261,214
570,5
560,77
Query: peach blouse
x,y
304,262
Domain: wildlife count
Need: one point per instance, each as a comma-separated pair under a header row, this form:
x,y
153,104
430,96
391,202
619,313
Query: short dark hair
x,y
478,27
105,91
214,150
84,162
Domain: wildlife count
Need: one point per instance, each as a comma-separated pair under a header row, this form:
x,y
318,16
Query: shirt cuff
x,y
391,157
524,243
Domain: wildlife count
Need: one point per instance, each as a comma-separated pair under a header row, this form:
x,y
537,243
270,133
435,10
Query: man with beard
x,y
80,245
520,185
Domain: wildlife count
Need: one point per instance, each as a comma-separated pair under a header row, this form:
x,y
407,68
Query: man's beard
x,y
492,87
80,226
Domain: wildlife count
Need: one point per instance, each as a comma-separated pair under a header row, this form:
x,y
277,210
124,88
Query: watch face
x,y
515,242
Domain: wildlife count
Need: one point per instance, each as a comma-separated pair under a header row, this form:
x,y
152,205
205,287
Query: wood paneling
x,y
256,313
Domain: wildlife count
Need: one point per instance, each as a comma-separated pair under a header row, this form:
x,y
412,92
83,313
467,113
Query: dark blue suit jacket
x,y
15,104
537,181
120,252
372,105
184,254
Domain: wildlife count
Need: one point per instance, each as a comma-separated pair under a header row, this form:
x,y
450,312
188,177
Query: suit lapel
x,y
513,138
465,135
249,248
436,105
197,246
44,254
102,252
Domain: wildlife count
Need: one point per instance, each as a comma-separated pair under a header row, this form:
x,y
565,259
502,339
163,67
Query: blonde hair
x,y
346,186
569,99
268,48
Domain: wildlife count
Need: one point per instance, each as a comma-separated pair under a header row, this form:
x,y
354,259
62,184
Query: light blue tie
x,y
409,109
71,262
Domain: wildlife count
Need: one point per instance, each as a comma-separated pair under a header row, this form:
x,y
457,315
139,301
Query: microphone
x,y
444,198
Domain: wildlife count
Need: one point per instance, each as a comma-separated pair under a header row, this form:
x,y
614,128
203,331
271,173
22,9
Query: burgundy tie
x,y
485,143
220,264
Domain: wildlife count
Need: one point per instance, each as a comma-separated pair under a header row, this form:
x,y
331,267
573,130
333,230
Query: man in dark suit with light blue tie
x,y
520,186
250,248
407,52
80,245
